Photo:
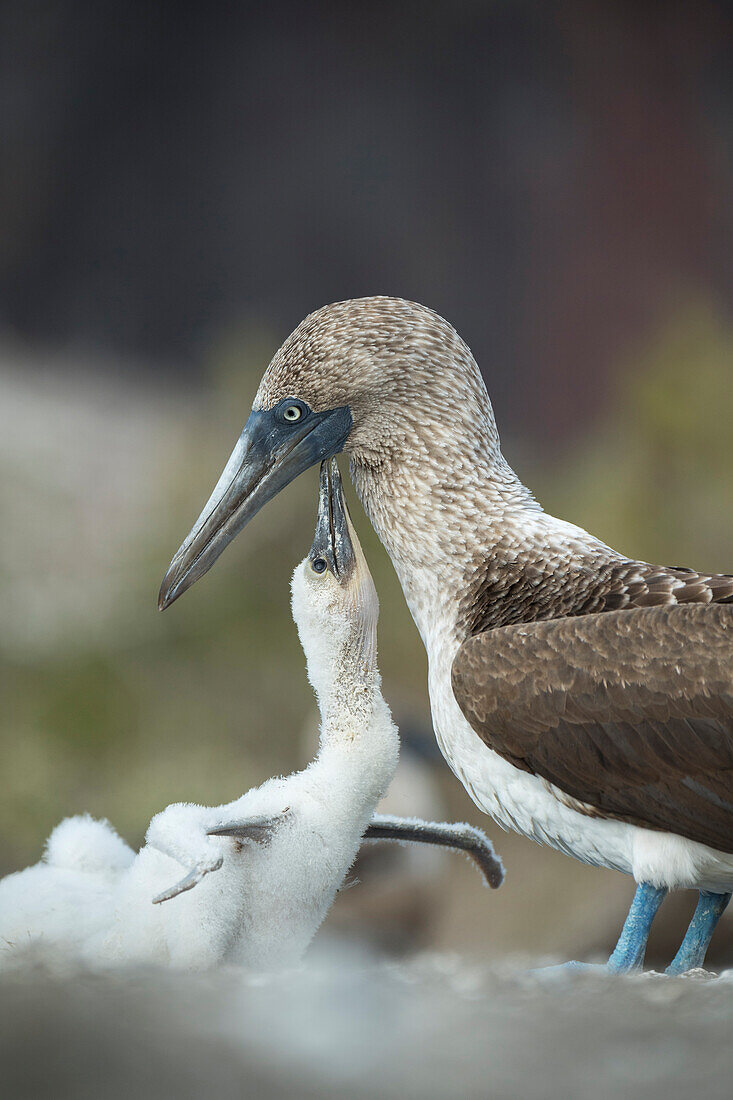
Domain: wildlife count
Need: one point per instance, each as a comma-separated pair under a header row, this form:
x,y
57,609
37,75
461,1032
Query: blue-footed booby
x,y
282,850
583,698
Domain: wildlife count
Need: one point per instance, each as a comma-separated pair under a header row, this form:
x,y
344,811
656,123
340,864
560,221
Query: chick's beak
x,y
335,538
268,456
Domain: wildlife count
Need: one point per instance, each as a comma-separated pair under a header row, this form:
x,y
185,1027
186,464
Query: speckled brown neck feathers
x,y
501,559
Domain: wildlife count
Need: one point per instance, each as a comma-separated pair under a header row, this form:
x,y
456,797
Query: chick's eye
x,y
292,413
319,565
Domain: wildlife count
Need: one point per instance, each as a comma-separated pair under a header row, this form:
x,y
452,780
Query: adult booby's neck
x,y
471,546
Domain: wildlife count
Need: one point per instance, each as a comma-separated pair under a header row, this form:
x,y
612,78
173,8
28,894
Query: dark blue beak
x,y
271,451
332,541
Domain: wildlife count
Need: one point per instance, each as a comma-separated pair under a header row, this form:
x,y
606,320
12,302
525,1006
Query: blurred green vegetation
x,y
655,477
203,701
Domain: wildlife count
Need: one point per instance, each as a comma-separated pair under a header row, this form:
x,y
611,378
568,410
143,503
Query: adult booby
x,y
581,697
294,837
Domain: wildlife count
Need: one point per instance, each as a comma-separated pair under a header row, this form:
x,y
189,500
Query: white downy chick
x,y
282,850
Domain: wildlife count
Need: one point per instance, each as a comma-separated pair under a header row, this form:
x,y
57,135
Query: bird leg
x,y
463,837
258,830
629,952
709,910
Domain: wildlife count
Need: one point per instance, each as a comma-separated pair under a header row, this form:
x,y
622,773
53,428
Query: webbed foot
x,y
572,967
691,955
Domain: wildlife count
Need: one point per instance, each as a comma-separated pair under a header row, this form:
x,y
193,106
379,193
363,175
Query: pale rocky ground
x,y
348,1025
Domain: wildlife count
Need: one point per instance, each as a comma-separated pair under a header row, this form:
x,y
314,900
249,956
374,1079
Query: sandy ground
x,y
345,1025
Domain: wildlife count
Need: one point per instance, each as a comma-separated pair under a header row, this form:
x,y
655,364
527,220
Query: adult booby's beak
x,y
335,538
269,454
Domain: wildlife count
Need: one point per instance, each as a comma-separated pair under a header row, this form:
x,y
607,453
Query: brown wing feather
x,y
521,589
629,712
628,584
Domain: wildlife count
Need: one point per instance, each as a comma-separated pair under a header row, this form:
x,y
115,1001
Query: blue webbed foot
x,y
710,908
628,955
569,968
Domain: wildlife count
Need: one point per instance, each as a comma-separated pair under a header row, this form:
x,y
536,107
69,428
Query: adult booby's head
x,y
379,378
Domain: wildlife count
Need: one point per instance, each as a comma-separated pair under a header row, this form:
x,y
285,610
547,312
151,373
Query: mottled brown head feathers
x,y
398,365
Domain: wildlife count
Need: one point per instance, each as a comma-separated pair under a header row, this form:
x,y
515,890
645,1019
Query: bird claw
x,y
193,878
258,830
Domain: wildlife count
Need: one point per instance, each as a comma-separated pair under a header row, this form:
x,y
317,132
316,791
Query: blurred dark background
x,y
179,185
548,176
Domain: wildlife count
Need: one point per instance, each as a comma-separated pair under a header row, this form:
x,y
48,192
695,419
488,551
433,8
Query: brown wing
x,y
521,589
629,712
637,584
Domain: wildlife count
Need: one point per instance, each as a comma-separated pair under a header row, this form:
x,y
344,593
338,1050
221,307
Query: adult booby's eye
x,y
290,410
319,565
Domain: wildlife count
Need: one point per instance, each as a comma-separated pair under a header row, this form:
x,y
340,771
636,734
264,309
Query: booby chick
x,y
582,697
280,852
